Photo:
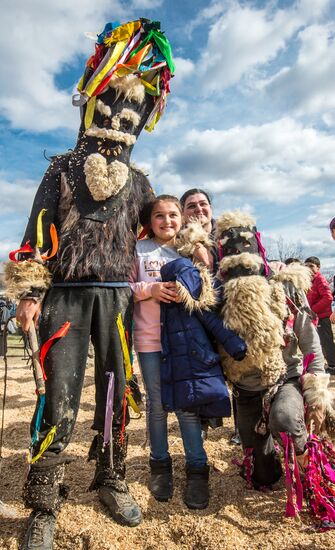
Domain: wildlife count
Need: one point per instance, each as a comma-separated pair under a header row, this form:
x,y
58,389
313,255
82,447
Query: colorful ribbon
x,y
45,444
39,415
46,346
109,408
292,478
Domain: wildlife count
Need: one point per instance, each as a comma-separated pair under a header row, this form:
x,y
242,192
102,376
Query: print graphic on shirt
x,y
152,267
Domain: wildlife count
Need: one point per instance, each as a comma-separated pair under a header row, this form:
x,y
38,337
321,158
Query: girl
x,y
164,217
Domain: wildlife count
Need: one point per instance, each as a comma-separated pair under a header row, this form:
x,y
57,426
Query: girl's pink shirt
x,y
150,257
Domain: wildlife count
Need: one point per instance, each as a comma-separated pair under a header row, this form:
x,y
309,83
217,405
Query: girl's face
x,y
165,221
197,206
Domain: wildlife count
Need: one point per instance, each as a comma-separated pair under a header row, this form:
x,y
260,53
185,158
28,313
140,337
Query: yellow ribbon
x,y
132,403
39,231
89,114
125,350
124,32
45,444
92,86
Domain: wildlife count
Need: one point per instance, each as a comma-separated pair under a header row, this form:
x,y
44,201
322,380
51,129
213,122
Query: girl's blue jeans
x,y
189,423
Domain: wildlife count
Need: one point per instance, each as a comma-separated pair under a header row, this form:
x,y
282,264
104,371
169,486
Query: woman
x,y
196,204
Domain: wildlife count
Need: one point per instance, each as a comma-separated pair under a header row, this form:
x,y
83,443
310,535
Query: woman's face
x,y
197,206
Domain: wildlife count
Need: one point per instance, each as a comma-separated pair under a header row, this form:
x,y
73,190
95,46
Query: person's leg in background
x,y
327,343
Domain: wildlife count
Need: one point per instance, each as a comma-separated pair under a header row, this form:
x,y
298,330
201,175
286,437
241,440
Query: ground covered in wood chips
x,y
236,518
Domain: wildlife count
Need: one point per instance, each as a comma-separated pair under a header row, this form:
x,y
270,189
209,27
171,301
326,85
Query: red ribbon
x,y
47,345
26,248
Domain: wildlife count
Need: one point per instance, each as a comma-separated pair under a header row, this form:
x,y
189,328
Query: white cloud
x,y
278,162
146,4
39,42
184,69
308,86
245,37
16,197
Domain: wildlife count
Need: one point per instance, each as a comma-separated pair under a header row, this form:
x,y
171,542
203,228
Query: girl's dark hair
x,y
145,214
190,192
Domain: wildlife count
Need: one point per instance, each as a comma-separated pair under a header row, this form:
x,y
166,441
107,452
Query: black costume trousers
x,y
92,312
266,467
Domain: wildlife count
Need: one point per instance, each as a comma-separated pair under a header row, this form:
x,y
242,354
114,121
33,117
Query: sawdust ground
x,y
236,518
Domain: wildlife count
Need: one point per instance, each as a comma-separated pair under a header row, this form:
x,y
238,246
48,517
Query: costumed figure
x,y
270,311
85,214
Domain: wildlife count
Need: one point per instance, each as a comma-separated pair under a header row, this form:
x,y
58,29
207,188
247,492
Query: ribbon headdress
x,y
136,48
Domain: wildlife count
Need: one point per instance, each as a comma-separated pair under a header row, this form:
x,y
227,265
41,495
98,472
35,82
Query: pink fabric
x,y
146,315
292,478
150,257
319,480
262,252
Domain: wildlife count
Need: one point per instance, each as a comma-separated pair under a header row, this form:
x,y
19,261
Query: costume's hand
x,y
332,318
203,255
26,311
316,415
164,292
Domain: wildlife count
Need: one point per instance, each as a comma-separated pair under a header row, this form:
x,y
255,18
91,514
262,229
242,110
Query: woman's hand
x,y
164,292
203,255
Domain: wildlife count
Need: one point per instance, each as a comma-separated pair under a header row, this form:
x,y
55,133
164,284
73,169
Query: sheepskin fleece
x,y
252,262
318,394
299,275
102,179
130,87
21,277
255,309
67,210
315,389
235,218
190,236
207,298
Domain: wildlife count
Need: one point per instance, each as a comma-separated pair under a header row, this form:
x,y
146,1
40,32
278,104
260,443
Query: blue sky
x,y
250,118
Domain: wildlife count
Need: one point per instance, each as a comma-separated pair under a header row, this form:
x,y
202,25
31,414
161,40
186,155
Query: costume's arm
x,y
191,238
315,382
30,278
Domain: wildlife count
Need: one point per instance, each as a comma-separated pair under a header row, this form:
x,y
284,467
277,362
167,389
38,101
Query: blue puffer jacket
x,y
191,374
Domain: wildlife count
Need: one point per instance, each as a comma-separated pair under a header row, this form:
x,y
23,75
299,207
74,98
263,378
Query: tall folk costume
x,y
269,310
85,214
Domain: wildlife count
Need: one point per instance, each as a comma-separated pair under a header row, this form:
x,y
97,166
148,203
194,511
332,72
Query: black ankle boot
x,y
110,483
197,492
40,531
161,482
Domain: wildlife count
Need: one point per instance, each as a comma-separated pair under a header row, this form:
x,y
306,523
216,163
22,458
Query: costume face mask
x,y
239,245
237,240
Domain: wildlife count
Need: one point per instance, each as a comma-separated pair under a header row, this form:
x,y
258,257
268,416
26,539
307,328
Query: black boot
x,y
197,492
110,483
44,492
40,531
161,482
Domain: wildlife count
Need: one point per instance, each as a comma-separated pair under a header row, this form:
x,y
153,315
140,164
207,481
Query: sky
x,y
250,117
